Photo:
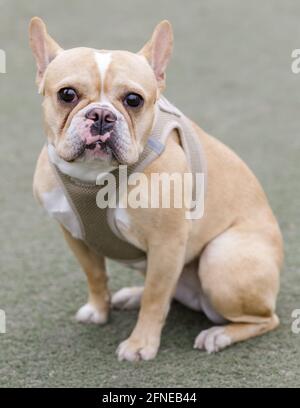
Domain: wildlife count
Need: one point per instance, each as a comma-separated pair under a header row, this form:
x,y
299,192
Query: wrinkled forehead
x,y
100,70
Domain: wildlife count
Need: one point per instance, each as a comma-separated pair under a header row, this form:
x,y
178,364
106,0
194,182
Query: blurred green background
x,y
231,72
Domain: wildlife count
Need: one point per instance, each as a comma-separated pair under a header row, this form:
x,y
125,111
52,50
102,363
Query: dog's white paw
x,y
135,350
127,298
212,340
89,314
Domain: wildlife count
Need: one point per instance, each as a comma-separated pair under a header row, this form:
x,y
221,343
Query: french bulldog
x,y
99,109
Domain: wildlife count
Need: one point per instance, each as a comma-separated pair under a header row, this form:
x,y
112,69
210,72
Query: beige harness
x,y
98,226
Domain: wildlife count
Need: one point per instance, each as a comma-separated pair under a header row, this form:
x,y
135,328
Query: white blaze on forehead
x,y
103,60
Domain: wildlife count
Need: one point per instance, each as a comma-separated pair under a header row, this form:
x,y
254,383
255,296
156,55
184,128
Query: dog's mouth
x,y
102,145
104,148
99,150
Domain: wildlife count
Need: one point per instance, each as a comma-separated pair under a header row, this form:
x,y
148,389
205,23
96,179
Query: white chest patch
x,y
103,60
123,223
57,205
122,219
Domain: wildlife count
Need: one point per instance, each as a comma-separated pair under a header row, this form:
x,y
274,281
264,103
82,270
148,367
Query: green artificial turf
x,y
231,72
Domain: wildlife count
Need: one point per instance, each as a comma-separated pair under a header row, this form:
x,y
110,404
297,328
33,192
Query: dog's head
x,y
98,104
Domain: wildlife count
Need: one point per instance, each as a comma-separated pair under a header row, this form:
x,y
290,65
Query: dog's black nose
x,y
104,120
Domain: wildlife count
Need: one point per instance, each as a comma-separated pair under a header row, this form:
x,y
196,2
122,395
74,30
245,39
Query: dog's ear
x,y
44,48
159,50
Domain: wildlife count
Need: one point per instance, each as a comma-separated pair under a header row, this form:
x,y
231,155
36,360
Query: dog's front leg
x,y
165,261
97,308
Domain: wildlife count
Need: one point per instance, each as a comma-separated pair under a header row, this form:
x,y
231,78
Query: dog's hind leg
x,y
239,274
218,337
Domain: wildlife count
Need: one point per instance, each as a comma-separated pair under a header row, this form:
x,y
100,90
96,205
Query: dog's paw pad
x,y
89,314
212,340
127,298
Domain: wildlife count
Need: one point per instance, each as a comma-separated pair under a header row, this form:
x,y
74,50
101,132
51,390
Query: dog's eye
x,y
67,95
133,100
